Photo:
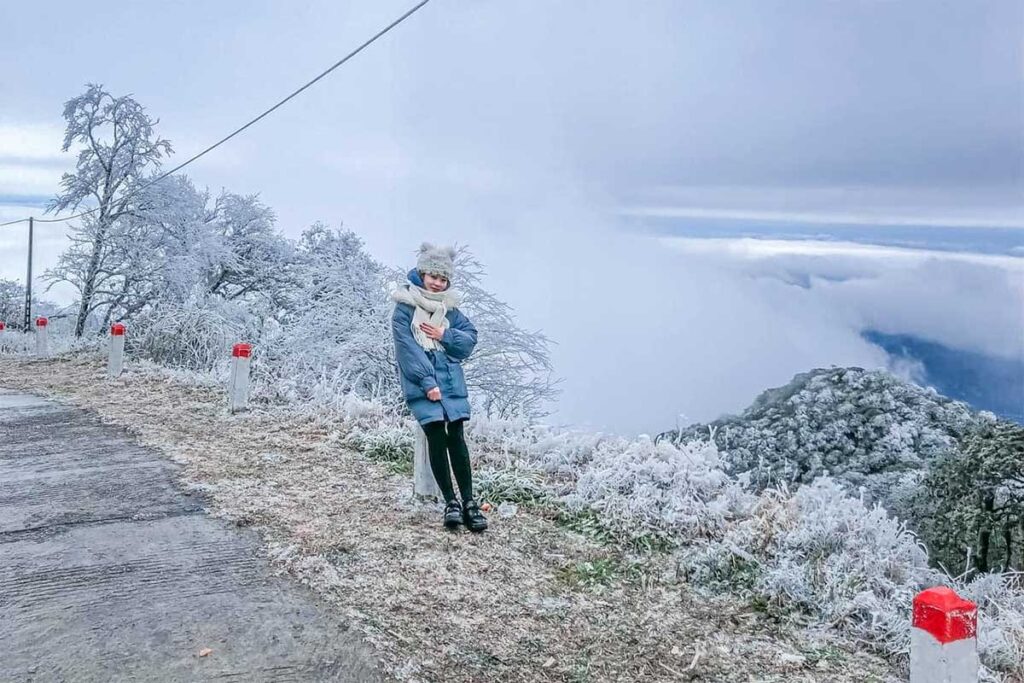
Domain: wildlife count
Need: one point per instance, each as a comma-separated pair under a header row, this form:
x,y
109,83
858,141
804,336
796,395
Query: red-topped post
x,y
115,360
943,638
238,385
42,337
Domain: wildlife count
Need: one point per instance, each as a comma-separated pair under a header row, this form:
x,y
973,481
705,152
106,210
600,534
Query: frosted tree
x,y
118,147
973,502
511,367
337,333
157,253
254,262
12,302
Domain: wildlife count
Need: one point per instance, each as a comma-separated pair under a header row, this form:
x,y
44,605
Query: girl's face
x,y
435,283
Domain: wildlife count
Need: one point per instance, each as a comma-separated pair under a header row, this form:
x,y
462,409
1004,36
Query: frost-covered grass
x,y
391,445
525,598
59,340
825,553
599,573
510,484
15,342
813,553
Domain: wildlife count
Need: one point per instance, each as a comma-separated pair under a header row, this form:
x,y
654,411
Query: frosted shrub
x,y
356,409
828,554
853,564
853,567
187,337
1000,599
560,452
635,489
642,489
336,331
513,484
385,444
17,342
65,342
59,336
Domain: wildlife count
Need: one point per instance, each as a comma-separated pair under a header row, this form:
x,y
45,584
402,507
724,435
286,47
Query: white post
x,y
115,360
42,341
238,386
943,640
423,483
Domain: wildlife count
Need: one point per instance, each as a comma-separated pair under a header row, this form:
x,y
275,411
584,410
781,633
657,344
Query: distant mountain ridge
x,y
985,382
988,240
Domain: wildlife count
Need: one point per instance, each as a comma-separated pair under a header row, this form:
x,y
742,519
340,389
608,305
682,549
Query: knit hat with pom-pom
x,y
436,260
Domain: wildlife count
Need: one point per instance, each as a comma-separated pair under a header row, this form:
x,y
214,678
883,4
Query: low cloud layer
x,y
647,330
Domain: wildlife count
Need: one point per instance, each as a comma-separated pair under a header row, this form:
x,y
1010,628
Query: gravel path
x,y
109,572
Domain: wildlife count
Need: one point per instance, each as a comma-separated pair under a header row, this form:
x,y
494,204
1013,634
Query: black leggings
x,y
443,446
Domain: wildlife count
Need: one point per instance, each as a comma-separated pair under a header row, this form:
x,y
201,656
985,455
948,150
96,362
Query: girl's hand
x,y
434,394
433,332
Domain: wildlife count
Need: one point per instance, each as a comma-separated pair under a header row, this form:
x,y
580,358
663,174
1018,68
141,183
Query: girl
x,y
432,338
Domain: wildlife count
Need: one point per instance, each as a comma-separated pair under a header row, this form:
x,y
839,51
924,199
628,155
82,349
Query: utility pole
x,y
28,283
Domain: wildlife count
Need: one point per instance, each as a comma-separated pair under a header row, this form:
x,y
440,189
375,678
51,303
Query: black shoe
x,y
452,514
472,517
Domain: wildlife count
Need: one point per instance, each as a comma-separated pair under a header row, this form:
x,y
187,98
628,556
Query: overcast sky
x,y
527,129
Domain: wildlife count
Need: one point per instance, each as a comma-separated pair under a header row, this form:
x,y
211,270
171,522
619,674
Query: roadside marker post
x,y
943,638
115,360
238,385
42,339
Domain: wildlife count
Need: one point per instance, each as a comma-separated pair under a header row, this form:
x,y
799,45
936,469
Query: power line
x,y
220,142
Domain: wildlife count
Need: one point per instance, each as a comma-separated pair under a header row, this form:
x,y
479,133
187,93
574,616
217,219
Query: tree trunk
x,y
985,534
1020,546
89,285
106,316
1008,542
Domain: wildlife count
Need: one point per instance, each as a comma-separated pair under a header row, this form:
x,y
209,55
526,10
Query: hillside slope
x,y
866,428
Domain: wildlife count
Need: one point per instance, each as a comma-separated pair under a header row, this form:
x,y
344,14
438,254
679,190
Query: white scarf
x,y
431,308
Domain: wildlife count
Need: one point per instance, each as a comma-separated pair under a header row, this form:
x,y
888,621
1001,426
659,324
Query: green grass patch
x,y
392,448
599,572
587,523
827,653
513,485
400,467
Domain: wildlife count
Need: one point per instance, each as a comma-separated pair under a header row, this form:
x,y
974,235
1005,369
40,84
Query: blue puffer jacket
x,y
422,370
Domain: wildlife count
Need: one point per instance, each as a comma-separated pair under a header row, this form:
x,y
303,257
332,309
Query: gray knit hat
x,y
436,260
